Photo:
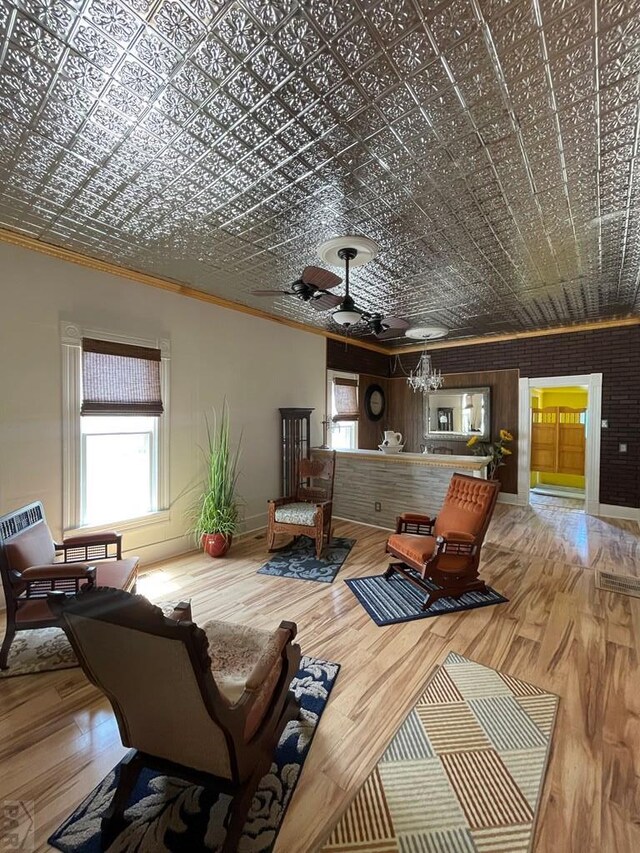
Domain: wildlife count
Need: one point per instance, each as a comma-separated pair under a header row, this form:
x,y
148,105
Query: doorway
x,y
559,455
558,423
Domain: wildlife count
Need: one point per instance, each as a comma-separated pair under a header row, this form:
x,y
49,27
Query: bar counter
x,y
398,482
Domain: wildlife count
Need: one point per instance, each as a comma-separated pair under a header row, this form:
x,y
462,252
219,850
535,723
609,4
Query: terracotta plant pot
x,y
216,544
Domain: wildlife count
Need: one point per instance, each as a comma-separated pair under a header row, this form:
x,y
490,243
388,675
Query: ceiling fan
x,y
311,287
348,314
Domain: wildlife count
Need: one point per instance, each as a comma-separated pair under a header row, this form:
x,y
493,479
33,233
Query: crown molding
x,y
513,336
26,242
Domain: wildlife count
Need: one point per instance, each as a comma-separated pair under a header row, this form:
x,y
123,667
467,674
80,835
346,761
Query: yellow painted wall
x,y
575,398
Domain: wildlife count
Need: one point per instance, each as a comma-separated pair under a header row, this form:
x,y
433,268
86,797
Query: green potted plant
x,y
216,510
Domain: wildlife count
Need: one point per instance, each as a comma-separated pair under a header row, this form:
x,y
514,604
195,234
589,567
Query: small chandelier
x,y
424,378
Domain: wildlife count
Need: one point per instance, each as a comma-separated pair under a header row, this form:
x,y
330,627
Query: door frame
x,y
593,382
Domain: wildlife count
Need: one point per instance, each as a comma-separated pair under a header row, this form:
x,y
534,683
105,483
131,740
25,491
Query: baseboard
x,y
363,523
512,500
629,513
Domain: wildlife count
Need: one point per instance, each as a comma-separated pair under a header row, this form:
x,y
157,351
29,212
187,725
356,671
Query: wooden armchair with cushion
x,y
207,705
308,512
446,550
31,568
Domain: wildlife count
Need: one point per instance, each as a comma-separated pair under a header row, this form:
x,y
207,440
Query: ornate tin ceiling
x,y
489,147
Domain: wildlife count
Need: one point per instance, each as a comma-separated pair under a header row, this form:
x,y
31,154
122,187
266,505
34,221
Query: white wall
x,y
257,364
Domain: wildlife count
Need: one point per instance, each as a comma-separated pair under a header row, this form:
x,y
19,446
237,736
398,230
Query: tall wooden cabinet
x,y
295,445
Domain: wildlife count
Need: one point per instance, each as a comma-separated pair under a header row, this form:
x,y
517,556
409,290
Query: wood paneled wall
x,y
370,432
407,414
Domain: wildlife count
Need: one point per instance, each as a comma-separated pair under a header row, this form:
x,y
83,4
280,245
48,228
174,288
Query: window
x,y
342,399
118,468
115,429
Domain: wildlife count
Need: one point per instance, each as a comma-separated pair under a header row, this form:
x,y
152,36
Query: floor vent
x,y
625,584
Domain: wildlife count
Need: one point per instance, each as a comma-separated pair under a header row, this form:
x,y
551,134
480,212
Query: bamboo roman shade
x,y
345,396
120,379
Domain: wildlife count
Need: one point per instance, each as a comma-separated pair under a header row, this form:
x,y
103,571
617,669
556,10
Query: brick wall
x,y
344,356
613,352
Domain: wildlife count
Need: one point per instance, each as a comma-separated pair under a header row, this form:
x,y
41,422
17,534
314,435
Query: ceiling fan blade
x,y
326,301
322,279
394,323
268,292
388,334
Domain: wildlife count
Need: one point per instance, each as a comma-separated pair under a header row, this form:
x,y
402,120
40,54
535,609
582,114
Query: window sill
x,y
158,517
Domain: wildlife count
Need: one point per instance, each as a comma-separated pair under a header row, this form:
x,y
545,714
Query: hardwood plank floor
x,y
58,737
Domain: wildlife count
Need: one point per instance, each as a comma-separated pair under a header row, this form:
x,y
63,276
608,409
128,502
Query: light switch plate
x,y
622,448
605,423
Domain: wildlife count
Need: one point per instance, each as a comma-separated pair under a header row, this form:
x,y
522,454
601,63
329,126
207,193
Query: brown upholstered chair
x,y
446,549
308,512
207,705
29,569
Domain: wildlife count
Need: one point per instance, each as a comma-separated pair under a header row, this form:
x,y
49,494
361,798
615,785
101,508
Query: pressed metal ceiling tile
x,y
489,147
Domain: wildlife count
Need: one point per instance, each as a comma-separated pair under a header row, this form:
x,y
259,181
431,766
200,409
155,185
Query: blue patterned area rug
x,y
397,600
168,814
299,560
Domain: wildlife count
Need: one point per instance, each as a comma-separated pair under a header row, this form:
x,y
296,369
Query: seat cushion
x,y
297,513
119,574
416,548
235,651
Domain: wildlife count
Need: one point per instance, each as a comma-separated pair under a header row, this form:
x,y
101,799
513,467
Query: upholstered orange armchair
x,y
207,705
446,549
308,512
30,568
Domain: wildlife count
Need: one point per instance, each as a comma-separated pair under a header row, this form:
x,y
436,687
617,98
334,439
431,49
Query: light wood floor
x,y
58,737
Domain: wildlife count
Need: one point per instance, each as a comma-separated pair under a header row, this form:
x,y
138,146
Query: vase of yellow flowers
x,y
497,450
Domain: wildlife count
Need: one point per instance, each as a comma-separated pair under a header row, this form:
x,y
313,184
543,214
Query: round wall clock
x,y
374,402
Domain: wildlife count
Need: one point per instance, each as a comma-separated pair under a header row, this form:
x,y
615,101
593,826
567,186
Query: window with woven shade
x,y
345,399
120,379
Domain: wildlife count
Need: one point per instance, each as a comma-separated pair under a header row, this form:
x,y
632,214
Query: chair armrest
x,y
281,501
284,635
413,522
181,612
461,544
56,571
104,537
76,548
456,536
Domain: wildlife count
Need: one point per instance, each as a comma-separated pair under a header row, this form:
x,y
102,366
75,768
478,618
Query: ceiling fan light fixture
x,y
347,314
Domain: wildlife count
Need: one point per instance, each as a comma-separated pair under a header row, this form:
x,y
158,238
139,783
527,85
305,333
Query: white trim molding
x,y
614,511
593,384
71,335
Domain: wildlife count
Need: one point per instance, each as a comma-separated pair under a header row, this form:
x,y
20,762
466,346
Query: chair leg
x,y
271,538
9,634
389,571
114,821
240,806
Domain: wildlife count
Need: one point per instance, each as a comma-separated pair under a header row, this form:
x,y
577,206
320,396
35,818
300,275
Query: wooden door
x,y
558,440
544,445
571,440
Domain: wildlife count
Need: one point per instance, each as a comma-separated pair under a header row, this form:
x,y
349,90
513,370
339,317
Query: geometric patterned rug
x,y
298,560
46,649
463,773
397,600
170,814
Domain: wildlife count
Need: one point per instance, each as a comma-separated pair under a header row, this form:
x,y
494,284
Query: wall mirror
x,y
458,413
